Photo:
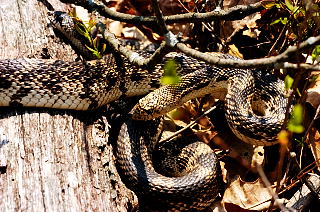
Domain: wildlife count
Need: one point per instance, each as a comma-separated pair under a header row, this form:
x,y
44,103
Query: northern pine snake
x,y
89,85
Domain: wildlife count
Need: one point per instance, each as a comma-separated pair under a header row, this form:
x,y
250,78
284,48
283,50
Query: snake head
x,y
153,105
146,111
61,21
140,113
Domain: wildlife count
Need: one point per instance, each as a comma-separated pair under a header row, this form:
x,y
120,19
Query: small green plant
x,y
301,18
300,141
315,53
296,119
170,75
288,82
93,44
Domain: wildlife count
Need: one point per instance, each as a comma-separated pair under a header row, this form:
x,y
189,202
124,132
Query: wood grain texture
x,y
52,160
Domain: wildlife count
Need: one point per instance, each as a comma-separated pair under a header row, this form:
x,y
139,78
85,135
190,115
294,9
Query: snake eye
x,y
58,16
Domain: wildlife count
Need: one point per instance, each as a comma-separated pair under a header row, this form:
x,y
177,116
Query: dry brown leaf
x,y
247,196
246,154
205,135
314,140
218,207
233,50
250,21
313,94
180,114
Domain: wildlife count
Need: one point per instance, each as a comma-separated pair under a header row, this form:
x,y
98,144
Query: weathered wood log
x,y
52,160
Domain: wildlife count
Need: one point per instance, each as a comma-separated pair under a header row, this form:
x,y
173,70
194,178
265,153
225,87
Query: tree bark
x,y
52,160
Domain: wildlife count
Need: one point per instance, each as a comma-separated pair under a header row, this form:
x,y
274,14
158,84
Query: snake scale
x,y
92,84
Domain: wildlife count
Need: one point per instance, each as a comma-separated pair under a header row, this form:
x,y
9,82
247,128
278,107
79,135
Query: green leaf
x,y
95,52
314,77
73,13
288,81
170,80
298,92
297,114
170,75
284,21
296,119
103,48
296,10
295,128
275,21
82,30
299,141
280,20
315,52
96,42
289,5
269,4
91,23
85,32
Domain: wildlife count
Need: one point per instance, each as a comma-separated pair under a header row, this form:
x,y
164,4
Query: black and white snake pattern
x,y
92,84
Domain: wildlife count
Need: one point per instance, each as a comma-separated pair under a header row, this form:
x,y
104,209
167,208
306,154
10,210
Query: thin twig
x,y
312,122
278,61
160,20
301,66
132,56
278,39
314,191
268,186
189,125
283,152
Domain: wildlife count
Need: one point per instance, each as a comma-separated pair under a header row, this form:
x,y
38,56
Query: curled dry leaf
x,y
314,140
247,195
184,113
250,21
217,207
233,50
245,154
246,157
313,98
313,93
206,135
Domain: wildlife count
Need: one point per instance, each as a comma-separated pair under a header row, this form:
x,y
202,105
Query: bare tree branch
x,y
159,16
233,13
132,56
170,39
279,61
303,66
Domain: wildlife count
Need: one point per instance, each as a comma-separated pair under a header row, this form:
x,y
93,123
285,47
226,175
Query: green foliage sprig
x,y
296,119
93,44
302,19
170,75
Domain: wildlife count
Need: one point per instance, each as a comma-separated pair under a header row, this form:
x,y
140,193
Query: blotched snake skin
x,y
93,84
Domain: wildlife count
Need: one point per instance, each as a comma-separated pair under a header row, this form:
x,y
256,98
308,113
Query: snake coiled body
x,y
193,188
93,84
